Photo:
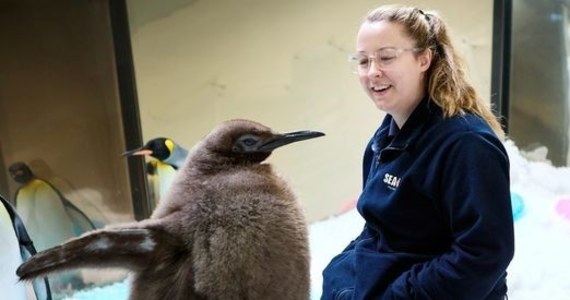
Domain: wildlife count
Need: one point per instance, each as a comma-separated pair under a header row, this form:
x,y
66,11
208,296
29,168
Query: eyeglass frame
x,y
354,58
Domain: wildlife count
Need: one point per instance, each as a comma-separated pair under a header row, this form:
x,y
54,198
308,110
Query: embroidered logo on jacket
x,y
391,180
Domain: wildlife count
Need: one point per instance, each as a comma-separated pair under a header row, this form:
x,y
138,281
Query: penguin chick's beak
x,y
138,151
288,138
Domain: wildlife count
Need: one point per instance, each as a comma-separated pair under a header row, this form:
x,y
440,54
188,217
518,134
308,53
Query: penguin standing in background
x,y
41,209
45,209
230,228
49,217
168,158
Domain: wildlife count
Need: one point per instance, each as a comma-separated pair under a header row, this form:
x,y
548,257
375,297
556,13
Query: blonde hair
x,y
447,84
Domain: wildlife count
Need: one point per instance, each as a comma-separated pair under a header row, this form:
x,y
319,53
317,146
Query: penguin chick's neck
x,y
205,161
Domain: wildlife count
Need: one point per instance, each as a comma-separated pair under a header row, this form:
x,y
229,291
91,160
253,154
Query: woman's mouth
x,y
380,88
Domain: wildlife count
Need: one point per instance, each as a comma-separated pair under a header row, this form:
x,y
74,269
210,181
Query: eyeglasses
x,y
384,57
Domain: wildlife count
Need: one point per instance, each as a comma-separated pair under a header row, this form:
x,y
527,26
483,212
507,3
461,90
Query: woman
x,y
435,196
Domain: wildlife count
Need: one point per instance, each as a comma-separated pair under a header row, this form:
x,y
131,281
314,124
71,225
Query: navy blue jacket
x,y
436,201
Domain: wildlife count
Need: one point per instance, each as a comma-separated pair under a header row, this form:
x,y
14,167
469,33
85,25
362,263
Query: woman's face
x,y
398,85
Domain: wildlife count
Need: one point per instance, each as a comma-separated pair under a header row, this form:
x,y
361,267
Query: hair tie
x,y
424,14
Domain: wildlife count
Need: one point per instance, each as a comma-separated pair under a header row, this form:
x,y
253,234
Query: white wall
x,y
282,63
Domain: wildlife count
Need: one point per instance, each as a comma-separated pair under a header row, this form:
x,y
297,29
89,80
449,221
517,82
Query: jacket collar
x,y
412,130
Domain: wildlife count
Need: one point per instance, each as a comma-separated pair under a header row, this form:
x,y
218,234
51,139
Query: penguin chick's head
x,y
244,141
160,148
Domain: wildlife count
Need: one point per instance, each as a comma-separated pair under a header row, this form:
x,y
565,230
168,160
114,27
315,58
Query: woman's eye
x,y
363,61
387,58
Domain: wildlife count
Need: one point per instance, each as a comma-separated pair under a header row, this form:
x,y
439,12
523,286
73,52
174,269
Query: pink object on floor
x,y
347,206
563,208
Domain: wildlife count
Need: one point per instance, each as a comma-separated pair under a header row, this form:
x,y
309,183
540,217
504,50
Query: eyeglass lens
x,y
382,58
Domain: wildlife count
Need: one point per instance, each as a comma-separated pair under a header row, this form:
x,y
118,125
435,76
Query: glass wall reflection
x,y
539,104
61,130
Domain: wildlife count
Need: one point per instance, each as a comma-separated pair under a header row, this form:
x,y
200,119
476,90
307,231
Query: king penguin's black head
x,y
244,141
20,172
159,148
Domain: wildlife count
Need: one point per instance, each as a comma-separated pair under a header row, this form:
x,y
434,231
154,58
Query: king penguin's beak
x,y
138,151
288,138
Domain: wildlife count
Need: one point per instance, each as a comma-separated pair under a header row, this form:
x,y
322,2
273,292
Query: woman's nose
x,y
373,70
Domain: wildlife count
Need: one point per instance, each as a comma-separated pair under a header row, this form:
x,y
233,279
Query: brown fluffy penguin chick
x,y
230,228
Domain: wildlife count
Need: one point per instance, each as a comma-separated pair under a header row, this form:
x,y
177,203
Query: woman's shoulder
x,y
468,128
462,124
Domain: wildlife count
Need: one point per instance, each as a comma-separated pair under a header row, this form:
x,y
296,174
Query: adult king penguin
x,y
40,207
49,217
168,158
229,228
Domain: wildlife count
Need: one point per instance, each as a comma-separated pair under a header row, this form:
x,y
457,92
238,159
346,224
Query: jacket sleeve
x,y
475,191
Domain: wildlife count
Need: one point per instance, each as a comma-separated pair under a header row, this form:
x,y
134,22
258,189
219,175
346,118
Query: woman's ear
x,y
425,59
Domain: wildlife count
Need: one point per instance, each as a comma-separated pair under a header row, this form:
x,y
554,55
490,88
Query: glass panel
x,y
61,131
539,109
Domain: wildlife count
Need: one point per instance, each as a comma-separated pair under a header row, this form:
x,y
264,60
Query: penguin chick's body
x,y
230,228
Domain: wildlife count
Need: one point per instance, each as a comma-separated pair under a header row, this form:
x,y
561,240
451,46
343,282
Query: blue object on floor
x,y
517,204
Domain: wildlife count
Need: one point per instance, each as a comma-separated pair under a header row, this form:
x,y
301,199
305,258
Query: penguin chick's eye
x,y
246,143
249,142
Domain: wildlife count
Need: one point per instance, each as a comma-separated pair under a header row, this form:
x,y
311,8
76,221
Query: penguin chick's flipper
x,y
127,248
